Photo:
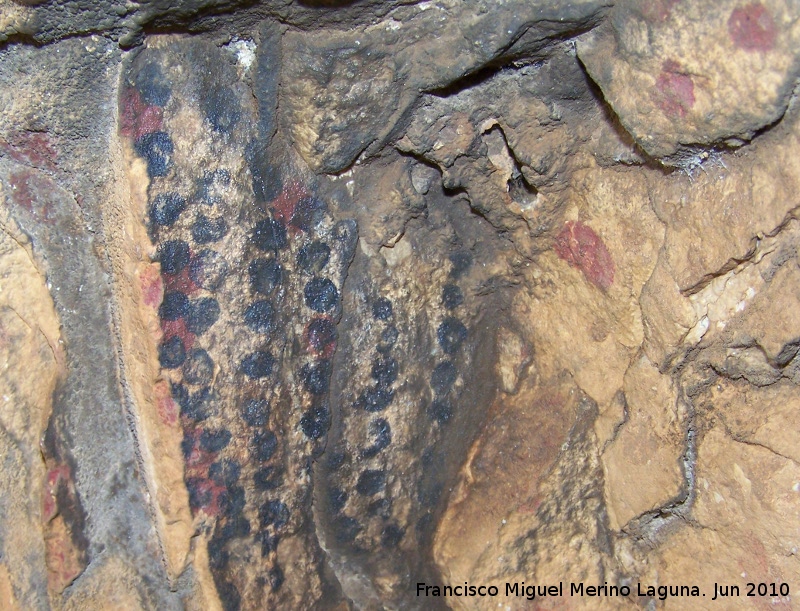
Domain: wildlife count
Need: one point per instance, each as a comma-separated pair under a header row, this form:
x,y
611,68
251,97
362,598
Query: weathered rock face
x,y
303,305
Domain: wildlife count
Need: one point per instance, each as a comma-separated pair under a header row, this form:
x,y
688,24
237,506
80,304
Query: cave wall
x,y
305,303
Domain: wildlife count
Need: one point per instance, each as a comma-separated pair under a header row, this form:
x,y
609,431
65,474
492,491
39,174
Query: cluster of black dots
x,y
322,299
450,335
373,400
193,270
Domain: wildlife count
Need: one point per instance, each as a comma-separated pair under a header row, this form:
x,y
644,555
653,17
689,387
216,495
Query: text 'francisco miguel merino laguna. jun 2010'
x,y
580,589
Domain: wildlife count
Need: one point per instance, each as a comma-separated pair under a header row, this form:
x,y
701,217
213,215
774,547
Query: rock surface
x,y
303,304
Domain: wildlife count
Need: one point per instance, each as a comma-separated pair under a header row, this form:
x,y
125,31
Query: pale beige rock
x,y
746,511
642,463
671,69
32,360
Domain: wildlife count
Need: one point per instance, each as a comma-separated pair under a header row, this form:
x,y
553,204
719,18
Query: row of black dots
x,y
450,335
372,482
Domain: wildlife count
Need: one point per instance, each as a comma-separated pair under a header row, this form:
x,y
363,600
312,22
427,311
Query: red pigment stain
x,y
752,28
137,118
31,148
675,90
180,282
30,190
581,247
152,286
320,337
285,204
197,463
171,328
53,479
165,405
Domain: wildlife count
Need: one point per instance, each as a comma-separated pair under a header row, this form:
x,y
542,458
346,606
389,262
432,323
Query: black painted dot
x,y
269,543
199,495
198,368
380,508
264,445
461,262
260,316
214,441
336,459
376,399
171,353
391,535
269,234
265,275
452,297
166,208
321,333
429,494
203,313
371,482
225,472
315,422
313,257
346,529
228,595
440,410
275,578
222,109
321,295
273,513
380,429
382,432
384,370
187,446
152,85
451,334
316,377
208,269
268,478
308,212
388,339
258,364
206,230
174,306
193,405
232,500
237,526
173,256
382,309
256,412
443,377
156,148
218,559
337,499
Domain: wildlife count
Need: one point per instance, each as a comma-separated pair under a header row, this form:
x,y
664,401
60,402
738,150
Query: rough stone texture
x,y
670,70
304,303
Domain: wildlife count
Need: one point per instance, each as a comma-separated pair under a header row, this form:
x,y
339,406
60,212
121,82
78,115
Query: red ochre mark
x,y
320,337
171,328
31,190
205,490
165,404
31,148
752,28
285,205
180,282
152,286
675,90
581,247
55,476
136,117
